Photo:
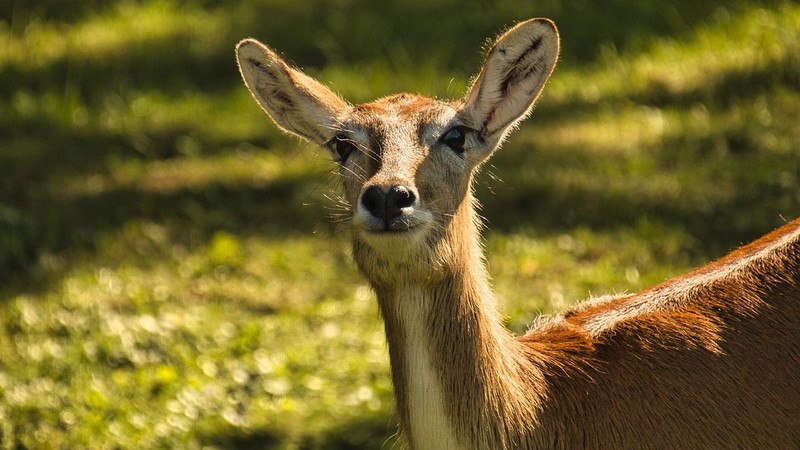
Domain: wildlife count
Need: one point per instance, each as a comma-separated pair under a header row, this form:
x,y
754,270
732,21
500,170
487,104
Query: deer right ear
x,y
296,102
514,73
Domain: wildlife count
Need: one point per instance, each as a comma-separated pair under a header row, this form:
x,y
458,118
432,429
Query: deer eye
x,y
343,147
455,138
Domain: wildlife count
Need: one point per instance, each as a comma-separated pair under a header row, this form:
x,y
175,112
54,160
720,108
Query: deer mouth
x,y
408,223
398,238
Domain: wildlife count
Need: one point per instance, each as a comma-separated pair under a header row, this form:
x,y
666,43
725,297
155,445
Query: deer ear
x,y
516,68
296,102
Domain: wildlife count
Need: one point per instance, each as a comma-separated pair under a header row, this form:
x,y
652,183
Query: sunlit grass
x,y
537,274
756,40
155,112
109,34
243,165
169,351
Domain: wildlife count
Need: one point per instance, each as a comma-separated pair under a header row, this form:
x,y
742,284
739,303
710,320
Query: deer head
x,y
406,162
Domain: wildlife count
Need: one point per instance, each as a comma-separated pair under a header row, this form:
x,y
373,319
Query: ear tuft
x,y
294,101
514,73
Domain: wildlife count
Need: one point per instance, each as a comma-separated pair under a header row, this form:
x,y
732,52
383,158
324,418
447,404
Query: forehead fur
x,y
405,107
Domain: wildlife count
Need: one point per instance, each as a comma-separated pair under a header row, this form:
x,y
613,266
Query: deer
x,y
709,359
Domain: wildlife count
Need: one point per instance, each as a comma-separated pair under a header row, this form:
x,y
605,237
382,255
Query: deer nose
x,y
387,205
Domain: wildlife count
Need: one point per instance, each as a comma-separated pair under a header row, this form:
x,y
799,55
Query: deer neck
x,y
450,355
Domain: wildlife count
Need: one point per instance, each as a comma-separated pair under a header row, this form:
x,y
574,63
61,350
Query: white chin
x,y
388,242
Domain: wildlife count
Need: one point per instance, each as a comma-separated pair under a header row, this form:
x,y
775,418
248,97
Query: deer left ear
x,y
514,73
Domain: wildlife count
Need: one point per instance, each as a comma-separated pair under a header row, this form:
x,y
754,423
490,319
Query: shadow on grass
x,y
718,93
717,227
361,433
34,150
54,225
21,12
235,439
37,218
152,65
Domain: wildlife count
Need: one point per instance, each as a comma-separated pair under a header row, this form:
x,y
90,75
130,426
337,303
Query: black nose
x,y
389,205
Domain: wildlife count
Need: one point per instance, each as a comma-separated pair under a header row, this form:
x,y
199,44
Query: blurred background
x,y
169,273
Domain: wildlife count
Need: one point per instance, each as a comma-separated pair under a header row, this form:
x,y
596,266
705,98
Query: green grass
x,y
168,274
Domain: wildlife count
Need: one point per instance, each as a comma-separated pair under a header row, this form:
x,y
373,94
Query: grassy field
x,y
169,276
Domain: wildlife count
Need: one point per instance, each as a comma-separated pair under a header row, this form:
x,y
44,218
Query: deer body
x,y
708,360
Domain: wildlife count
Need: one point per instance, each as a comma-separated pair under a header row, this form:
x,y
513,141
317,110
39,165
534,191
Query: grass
x,y
168,276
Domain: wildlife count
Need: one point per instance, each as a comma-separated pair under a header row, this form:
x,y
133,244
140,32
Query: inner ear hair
x,y
297,103
515,70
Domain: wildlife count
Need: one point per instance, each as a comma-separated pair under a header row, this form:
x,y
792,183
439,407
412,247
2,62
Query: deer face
x,y
405,162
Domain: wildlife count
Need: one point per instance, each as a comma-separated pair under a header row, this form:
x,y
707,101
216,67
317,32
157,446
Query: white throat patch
x,y
430,424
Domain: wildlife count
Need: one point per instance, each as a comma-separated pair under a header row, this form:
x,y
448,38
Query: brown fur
x,y
707,360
